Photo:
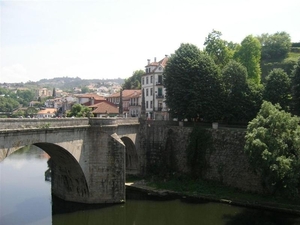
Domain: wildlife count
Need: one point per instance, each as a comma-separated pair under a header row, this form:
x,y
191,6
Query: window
x,y
159,92
151,91
146,104
151,79
147,92
147,80
159,79
150,104
143,79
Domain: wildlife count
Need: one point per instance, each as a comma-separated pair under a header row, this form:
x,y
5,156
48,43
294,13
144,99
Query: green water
x,y
25,198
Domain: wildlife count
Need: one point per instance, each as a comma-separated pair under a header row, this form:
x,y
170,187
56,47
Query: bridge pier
x,y
88,162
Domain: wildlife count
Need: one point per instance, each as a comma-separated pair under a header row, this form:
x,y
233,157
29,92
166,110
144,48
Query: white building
x,y
154,91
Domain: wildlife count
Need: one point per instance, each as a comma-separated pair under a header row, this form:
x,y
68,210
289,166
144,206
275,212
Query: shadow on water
x,y
262,217
60,206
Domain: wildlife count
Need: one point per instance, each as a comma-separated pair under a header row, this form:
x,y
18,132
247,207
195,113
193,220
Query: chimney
x,y
148,61
154,59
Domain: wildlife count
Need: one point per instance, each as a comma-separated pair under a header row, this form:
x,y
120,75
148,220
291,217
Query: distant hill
x,y
68,83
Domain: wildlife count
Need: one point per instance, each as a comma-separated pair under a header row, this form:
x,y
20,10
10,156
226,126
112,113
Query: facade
x,y
43,93
131,102
47,113
89,99
154,91
135,103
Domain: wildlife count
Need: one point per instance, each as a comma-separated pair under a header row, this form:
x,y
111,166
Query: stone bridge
x,y
89,157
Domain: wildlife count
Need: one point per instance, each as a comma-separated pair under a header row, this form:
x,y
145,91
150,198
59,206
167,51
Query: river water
x,y
25,198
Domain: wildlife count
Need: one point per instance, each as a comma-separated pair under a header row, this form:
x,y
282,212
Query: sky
x,y
104,39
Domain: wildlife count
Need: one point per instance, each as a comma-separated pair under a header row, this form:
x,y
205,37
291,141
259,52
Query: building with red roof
x,y
104,109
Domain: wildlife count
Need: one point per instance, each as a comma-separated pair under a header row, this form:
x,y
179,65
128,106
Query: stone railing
x,y
27,123
113,121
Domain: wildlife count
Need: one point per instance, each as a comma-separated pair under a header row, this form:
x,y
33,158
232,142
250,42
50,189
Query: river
x,y
25,198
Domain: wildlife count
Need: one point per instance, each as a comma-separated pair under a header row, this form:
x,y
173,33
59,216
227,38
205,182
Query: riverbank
x,y
195,192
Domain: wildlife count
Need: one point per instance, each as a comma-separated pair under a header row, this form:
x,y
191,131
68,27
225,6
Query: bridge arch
x,y
131,156
67,177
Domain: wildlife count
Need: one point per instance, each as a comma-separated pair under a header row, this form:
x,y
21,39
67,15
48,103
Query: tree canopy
x,y
296,89
134,82
249,54
218,49
235,82
193,84
79,110
278,88
275,46
273,146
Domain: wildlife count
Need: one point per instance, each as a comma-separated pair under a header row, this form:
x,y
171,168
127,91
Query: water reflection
x,y
26,199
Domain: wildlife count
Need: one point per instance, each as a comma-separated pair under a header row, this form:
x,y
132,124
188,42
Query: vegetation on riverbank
x,y
200,189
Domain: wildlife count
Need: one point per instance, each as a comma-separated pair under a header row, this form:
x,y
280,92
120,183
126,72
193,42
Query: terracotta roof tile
x,y
125,93
47,111
104,108
95,96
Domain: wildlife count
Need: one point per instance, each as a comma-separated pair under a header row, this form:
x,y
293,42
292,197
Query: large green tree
x,y
278,88
134,82
249,54
273,146
296,89
275,46
193,84
236,87
218,49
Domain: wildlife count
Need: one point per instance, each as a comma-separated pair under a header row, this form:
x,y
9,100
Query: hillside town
x,y
109,100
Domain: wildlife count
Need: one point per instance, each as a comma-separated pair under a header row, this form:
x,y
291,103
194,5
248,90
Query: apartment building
x,y
154,91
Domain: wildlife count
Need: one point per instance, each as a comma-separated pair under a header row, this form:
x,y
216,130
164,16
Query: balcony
x,y
159,83
134,104
160,96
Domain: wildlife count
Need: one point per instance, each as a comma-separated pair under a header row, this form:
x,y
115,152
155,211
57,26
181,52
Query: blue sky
x,y
112,38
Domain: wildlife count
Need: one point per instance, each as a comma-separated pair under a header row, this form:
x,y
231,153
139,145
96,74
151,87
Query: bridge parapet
x,y
113,121
27,123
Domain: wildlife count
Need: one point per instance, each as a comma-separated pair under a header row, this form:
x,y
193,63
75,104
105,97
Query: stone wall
x,y
165,148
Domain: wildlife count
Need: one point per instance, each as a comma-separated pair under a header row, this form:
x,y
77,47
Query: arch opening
x,y
131,156
68,181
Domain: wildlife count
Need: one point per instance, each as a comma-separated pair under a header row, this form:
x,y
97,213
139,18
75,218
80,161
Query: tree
x,y
31,111
24,97
134,82
217,48
235,82
278,88
276,46
193,84
296,89
85,89
273,146
249,54
54,93
8,104
79,110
